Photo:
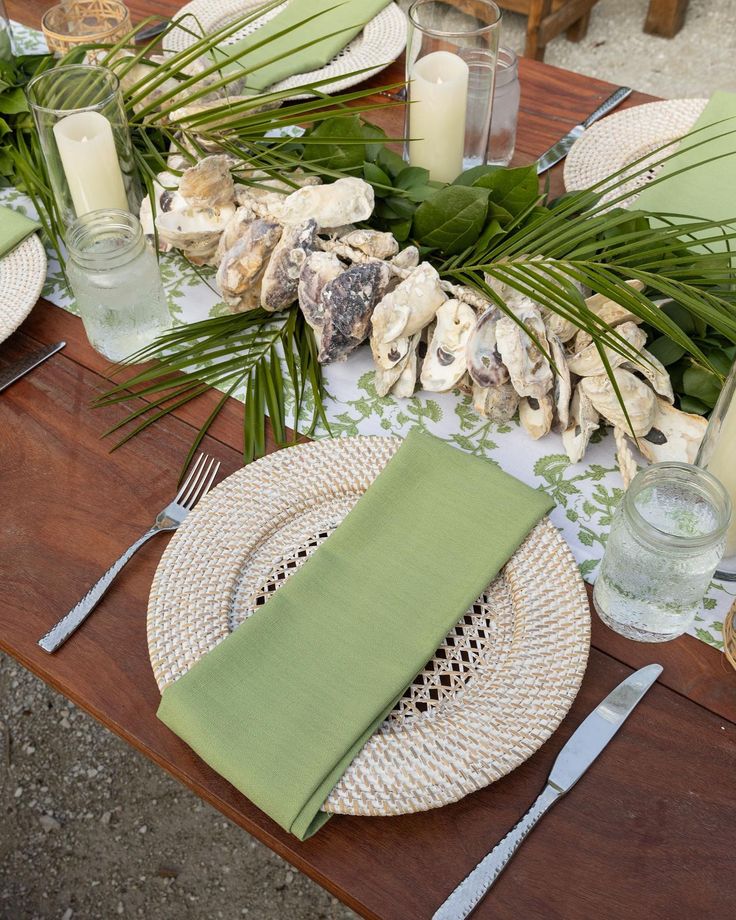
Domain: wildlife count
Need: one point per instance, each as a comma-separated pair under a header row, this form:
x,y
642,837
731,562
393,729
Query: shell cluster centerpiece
x,y
277,242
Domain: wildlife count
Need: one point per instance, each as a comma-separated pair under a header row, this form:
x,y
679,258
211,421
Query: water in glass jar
x,y
123,307
651,591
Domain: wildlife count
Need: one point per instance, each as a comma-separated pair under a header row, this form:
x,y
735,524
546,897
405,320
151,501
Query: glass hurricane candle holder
x,y
80,22
666,539
116,281
81,123
6,35
450,70
505,113
717,454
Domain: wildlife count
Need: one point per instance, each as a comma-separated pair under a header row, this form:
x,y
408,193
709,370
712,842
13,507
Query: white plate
x,y
378,45
22,274
620,139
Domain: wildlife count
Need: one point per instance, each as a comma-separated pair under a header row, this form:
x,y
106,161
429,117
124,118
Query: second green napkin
x,y
283,705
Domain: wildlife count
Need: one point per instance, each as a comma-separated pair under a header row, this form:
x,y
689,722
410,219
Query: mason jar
x,y
666,539
506,98
116,282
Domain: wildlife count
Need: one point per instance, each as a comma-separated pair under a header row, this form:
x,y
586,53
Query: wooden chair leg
x,y
538,9
578,30
665,17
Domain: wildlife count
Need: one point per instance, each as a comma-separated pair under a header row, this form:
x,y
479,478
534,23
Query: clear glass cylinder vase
x,y
451,56
83,130
717,454
6,35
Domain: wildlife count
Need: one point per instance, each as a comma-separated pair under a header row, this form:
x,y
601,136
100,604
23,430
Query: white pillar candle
x,y
721,464
90,160
439,100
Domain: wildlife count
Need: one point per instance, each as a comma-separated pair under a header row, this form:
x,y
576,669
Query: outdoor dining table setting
x,y
367,419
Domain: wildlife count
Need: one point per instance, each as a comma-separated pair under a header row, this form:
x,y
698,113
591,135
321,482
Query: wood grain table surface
x,y
649,832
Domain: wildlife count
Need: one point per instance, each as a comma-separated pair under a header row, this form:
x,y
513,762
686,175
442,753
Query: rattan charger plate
x,y
492,694
381,41
618,140
22,274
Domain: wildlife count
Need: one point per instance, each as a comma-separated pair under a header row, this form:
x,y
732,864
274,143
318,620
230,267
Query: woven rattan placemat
x,y
492,694
22,274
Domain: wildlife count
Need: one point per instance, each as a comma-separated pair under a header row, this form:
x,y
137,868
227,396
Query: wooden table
x,y
649,832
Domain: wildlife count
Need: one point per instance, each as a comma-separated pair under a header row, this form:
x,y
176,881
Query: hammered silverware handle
x,y
623,92
469,893
60,632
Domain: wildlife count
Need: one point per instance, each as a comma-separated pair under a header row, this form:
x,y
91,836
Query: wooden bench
x,y
665,17
548,18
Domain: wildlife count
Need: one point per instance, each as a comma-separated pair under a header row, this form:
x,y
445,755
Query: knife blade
x,y
561,149
581,750
16,370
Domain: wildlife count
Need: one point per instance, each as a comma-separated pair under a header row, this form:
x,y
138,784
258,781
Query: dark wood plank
x,y
665,17
54,542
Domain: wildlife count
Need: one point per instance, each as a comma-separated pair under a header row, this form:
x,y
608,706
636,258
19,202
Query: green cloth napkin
x,y
282,706
332,24
707,191
14,228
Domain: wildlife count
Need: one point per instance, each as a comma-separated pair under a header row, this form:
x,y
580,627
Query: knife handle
x,y
469,893
623,92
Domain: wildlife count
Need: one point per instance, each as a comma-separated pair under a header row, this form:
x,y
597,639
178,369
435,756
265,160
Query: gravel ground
x,y
89,828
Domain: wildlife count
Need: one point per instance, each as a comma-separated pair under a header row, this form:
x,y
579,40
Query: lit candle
x,y
90,160
721,465
439,99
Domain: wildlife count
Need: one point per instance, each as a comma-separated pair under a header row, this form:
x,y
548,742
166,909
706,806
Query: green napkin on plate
x,y
282,706
332,24
14,228
708,191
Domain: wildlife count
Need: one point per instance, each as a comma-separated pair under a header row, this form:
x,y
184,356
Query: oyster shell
x,y
406,259
536,415
410,306
609,311
373,244
446,363
563,328
639,399
387,355
497,403
348,301
196,232
280,284
235,228
584,420
346,201
209,184
400,379
319,269
484,362
654,371
243,265
588,363
674,435
562,388
528,368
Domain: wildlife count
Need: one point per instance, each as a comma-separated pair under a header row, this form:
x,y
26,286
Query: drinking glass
x,y
505,113
80,22
716,454
116,282
666,539
450,69
81,123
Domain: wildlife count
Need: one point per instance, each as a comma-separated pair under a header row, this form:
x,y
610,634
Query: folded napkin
x,y
332,24
282,706
707,191
14,228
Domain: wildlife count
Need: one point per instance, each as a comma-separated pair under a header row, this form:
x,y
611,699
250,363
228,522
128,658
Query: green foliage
x,y
16,122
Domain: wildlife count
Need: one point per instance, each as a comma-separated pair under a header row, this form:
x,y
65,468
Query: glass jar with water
x,y
667,537
116,281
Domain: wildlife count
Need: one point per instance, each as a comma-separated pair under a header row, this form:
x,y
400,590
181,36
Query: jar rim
x,y
107,76
454,33
107,220
700,481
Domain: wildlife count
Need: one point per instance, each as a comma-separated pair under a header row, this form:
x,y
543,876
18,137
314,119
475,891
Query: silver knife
x,y
573,760
16,370
561,149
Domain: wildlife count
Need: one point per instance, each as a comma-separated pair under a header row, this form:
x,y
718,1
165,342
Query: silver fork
x,y
197,484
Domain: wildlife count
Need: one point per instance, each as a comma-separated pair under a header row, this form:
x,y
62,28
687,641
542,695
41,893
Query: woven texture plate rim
x,y
22,276
492,694
622,137
380,43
